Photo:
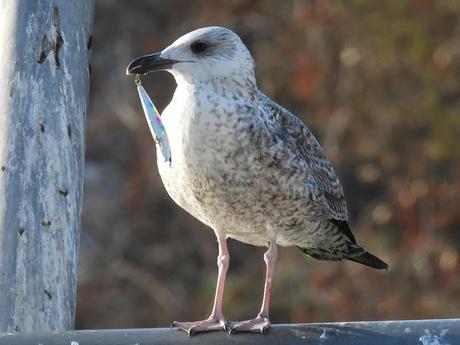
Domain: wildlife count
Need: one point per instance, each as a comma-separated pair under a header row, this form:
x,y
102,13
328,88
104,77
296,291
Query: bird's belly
x,y
218,198
236,200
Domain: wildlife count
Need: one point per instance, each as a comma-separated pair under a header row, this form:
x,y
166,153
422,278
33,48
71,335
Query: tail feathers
x,y
340,244
355,252
370,260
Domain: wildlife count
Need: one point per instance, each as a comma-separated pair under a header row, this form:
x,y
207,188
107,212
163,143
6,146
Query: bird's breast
x,y
211,168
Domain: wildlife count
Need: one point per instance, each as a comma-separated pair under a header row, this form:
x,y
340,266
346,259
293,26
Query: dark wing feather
x,y
328,187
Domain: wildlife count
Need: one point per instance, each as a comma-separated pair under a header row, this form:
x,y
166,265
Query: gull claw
x,y
260,324
194,327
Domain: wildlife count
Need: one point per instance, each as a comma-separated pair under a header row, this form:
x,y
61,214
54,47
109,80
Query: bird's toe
x,y
258,325
194,327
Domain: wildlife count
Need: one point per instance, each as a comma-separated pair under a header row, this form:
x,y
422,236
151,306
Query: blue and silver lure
x,y
154,121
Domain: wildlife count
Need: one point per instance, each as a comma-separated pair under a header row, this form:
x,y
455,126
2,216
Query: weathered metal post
x,y
44,83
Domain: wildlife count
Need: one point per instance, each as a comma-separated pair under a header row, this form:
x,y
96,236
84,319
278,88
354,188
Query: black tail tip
x,y
370,260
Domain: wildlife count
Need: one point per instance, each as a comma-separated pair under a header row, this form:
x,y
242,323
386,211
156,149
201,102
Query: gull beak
x,y
149,63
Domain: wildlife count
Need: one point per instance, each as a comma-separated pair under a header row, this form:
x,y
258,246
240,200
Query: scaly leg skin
x,y
215,322
261,323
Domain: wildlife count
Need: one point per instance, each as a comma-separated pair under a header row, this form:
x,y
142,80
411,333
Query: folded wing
x,y
325,184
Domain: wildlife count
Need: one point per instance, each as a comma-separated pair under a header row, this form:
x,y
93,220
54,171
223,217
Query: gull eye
x,y
198,47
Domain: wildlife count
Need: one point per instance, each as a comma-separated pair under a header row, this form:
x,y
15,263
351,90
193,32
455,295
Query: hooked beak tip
x,y
149,63
129,71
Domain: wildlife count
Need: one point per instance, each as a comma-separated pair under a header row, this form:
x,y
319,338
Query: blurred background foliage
x,y
376,81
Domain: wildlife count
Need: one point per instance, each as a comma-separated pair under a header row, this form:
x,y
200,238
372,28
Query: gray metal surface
x,y
423,332
45,48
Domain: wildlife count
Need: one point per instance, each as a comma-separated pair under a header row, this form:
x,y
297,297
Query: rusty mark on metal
x,y
63,192
45,49
89,44
59,43
59,39
52,45
69,131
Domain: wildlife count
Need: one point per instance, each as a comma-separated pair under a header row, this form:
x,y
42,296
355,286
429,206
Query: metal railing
x,y
420,332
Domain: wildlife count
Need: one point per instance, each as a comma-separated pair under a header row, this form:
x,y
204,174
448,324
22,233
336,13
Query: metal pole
x,y
44,81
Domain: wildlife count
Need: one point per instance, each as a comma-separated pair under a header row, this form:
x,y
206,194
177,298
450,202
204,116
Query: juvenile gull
x,y
245,166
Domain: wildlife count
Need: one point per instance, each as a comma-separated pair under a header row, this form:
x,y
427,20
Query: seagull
x,y
245,166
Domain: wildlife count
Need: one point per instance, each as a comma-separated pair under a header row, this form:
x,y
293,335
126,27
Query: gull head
x,y
201,55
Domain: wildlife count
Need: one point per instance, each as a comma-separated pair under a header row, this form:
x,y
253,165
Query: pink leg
x,y
216,321
261,323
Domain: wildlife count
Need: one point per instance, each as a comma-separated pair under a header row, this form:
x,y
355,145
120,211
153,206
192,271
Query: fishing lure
x,y
154,121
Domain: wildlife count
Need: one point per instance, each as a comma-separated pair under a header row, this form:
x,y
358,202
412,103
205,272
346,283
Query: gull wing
x,y
326,185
